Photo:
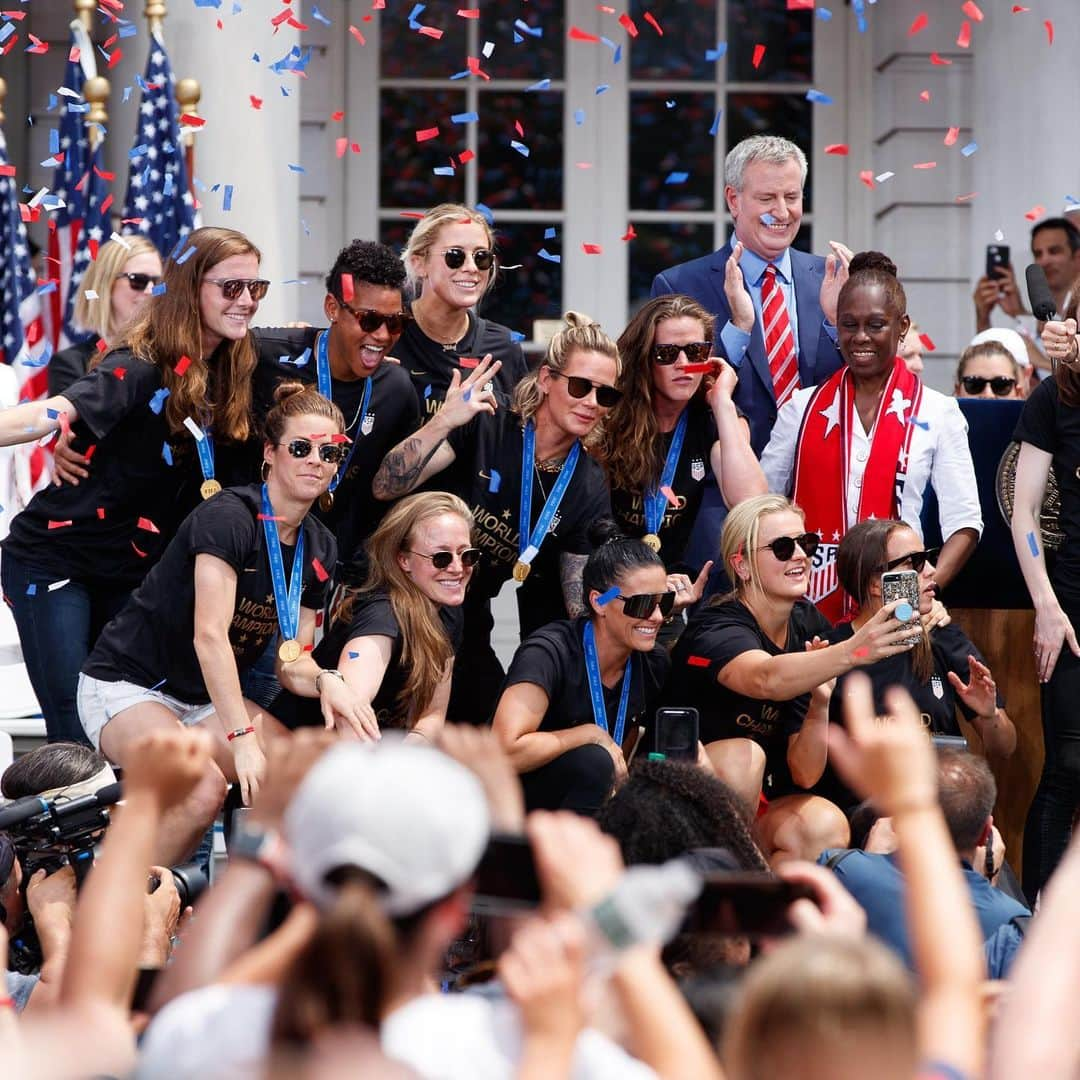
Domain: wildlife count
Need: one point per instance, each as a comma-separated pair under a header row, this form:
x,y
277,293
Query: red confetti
x,y
356,34
653,23
759,55
519,129
592,249
922,20
134,547
925,165
800,5
39,46
182,365
473,64
1019,9
630,234
431,32
698,661
73,55
939,61
1049,31
192,121
101,513
927,342
966,198
416,214
90,449
115,58
465,156
109,176
427,133
320,570
59,524
951,136
340,438
468,361
925,95
341,146
1035,213
147,525
7,170
278,19
469,13
699,369
867,177
971,10
861,653
348,291
577,34
963,39
337,116
628,24
840,149
120,373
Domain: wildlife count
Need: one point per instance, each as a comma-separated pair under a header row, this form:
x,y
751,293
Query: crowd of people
x,y
718,817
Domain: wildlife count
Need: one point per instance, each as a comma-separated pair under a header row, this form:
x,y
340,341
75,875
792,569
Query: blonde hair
x,y
811,998
96,316
426,232
425,647
739,540
578,332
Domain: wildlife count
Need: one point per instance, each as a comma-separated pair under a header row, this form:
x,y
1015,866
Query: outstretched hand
x,y
836,274
743,315
468,397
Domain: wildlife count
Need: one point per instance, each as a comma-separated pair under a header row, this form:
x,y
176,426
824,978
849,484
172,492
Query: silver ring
x,y
679,587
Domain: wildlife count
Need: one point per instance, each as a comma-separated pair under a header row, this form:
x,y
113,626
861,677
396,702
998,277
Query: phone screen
x,y
677,734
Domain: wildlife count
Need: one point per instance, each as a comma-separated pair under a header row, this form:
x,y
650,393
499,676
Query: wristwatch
x,y
253,844
327,671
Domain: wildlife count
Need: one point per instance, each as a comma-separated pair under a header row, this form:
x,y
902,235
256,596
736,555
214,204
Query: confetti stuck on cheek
x,y
605,598
1033,545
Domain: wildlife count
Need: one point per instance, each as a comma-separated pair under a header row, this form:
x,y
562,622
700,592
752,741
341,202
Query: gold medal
x,y
209,488
521,570
289,651
326,501
651,540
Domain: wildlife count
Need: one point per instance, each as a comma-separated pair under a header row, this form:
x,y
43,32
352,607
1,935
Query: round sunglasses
x,y
580,387
231,288
369,320
139,282
783,547
642,605
918,560
442,559
483,258
330,453
1000,384
696,352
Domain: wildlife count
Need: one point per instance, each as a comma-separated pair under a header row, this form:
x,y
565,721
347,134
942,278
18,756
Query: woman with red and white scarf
x,y
869,441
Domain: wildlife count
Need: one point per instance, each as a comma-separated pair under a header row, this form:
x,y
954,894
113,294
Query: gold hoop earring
x,y
265,471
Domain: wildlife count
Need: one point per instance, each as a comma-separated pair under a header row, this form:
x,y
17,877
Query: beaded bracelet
x,y
249,730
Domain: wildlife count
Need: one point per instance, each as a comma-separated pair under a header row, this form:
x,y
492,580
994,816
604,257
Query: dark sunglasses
x,y
642,605
483,259
580,387
231,288
696,352
1000,384
442,559
783,547
369,320
139,281
331,453
918,560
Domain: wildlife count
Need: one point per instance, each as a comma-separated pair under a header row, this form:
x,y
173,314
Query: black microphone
x,y
1042,303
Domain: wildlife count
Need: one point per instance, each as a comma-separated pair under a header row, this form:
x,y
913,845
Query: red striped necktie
x,y
779,340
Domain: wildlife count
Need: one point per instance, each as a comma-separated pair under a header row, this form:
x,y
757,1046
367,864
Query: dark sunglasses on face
x,y
442,559
369,320
1000,384
482,258
139,281
918,560
331,453
642,605
696,352
580,387
783,547
231,288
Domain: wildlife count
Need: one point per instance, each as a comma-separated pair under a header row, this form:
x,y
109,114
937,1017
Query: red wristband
x,y
239,732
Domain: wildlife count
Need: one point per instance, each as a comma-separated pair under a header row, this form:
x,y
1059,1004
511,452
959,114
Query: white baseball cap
x,y
1011,339
410,816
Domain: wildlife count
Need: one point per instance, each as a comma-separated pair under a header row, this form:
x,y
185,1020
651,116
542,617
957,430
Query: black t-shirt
x,y
69,365
692,476
1054,427
430,366
392,414
714,636
372,616
151,641
110,528
554,659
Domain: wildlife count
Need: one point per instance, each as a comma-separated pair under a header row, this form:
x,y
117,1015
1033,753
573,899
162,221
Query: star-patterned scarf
x,y
822,457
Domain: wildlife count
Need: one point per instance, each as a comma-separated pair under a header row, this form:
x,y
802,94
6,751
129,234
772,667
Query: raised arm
x,y
35,419
732,458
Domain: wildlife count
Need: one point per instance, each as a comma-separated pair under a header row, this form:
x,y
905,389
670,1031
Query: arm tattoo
x,y
401,469
570,568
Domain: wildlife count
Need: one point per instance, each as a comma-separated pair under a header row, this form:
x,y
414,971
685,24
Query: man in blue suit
x,y
764,177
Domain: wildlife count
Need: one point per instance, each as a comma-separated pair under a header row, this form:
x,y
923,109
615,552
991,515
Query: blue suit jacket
x,y
703,279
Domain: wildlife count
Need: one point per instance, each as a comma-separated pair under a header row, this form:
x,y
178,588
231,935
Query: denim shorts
x,y
99,701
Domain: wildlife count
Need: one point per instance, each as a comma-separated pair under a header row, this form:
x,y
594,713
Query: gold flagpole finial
x,y
3,94
84,12
188,95
96,92
155,13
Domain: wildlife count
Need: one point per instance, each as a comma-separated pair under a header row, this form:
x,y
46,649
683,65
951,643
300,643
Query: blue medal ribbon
x,y
205,447
656,502
529,542
326,388
286,601
596,687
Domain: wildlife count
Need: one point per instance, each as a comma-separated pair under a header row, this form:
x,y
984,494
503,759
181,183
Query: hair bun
x,y
873,260
288,388
575,320
603,531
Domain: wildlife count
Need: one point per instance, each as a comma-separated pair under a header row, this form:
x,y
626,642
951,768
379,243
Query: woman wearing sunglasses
x,y
394,641
532,490
675,432
450,259
167,414
576,688
111,292
757,667
244,566
869,441
988,370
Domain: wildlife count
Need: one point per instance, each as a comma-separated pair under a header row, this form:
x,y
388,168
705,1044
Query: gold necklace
x,y
447,346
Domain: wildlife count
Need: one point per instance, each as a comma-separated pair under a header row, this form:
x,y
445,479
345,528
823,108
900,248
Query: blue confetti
x,y
489,214
467,395
167,190
677,178
127,94
550,233
824,14
31,589
521,148
464,118
618,54
579,117
970,149
158,684
54,141
525,28
138,151
603,88
516,335
669,104
518,39
48,287
128,30
166,453
716,122
296,168
767,218
443,170
605,598
1033,545
495,481
208,3
354,655
545,254
543,84
255,57
427,391
6,31
414,15
157,402
818,98
159,289
924,424
183,258
226,202
715,54
317,14
52,414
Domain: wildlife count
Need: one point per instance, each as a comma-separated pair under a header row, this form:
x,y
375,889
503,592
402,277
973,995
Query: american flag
x,y
158,192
